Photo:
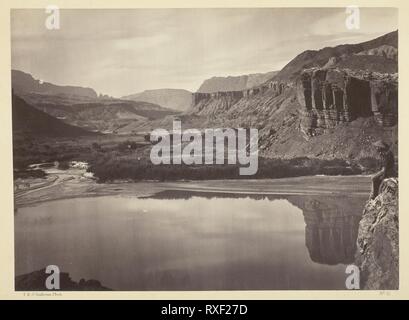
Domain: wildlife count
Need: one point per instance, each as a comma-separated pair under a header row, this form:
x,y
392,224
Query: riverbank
x,y
73,184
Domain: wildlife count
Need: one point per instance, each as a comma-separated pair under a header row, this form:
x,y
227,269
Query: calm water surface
x,y
193,241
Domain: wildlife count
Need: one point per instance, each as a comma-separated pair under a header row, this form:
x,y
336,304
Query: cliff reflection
x,y
331,222
331,230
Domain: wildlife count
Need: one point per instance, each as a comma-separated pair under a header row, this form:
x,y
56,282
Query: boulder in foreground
x,y
378,240
35,281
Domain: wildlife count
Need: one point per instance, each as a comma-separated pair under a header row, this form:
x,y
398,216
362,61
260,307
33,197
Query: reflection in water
x,y
195,241
330,233
331,222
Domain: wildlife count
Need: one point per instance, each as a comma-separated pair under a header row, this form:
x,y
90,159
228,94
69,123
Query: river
x,y
194,240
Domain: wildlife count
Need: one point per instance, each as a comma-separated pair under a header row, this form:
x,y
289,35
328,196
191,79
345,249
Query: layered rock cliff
x,y
330,103
212,103
328,113
378,240
235,83
335,96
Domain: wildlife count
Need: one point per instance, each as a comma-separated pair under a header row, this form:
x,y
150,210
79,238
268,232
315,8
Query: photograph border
x,y
7,275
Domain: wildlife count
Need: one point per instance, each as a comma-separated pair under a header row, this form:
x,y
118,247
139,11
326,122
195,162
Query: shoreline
x,y
80,187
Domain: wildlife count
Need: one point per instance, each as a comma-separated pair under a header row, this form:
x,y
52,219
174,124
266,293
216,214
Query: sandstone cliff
x,y
323,114
378,240
236,83
333,96
330,103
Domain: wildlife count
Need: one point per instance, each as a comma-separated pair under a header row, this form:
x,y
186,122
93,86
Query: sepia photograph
x,y
205,149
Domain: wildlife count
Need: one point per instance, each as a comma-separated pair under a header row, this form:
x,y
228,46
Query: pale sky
x,y
120,52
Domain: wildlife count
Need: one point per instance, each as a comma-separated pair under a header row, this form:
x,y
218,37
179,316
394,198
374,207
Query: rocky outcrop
x,y
330,97
384,101
385,51
229,97
236,83
35,281
222,101
378,240
274,88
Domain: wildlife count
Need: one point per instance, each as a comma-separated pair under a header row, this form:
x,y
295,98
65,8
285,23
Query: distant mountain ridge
x,y
106,116
81,107
176,99
28,120
318,58
23,82
235,83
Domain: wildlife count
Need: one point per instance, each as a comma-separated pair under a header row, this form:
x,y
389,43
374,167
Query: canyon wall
x,y
274,87
235,83
343,110
322,104
330,97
